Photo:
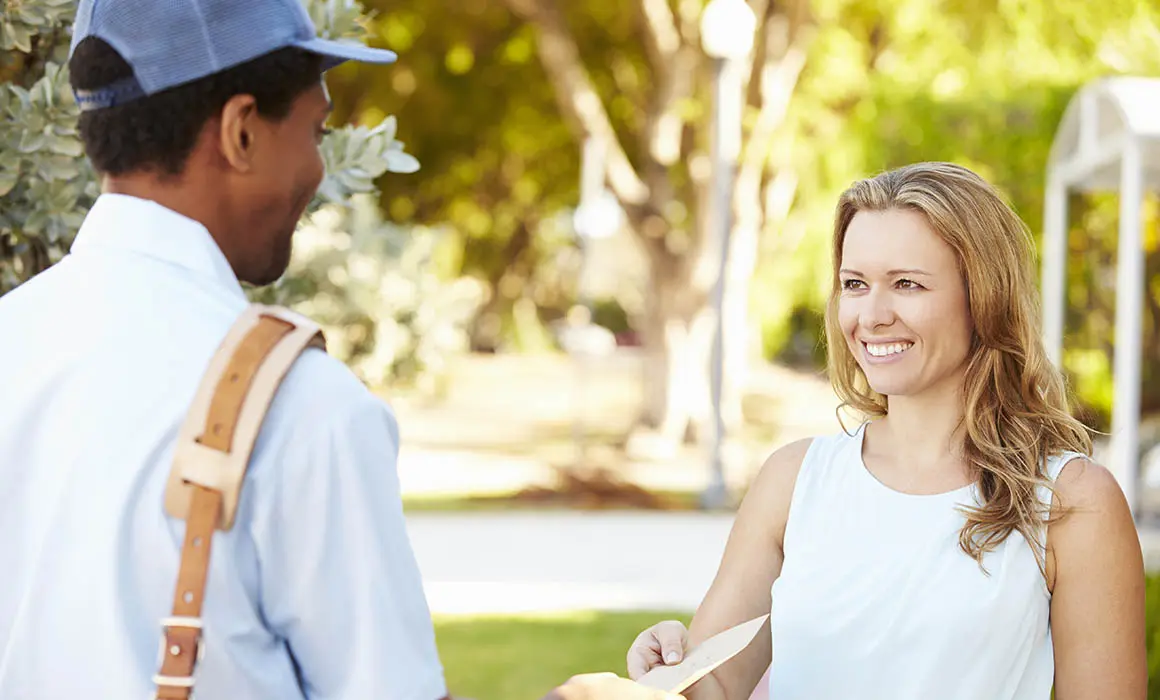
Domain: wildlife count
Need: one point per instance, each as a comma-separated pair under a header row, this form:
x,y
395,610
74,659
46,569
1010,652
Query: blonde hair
x,y
1016,411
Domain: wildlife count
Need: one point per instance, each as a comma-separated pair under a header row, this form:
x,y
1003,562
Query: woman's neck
x,y
925,431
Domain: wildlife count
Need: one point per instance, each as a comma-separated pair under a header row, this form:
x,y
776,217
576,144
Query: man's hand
x,y
606,686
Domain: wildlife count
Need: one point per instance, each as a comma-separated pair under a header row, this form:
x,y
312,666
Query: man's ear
x,y
237,130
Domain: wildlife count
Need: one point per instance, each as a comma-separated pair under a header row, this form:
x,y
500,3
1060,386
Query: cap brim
x,y
337,52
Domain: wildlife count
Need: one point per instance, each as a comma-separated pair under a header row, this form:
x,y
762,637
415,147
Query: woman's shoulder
x,y
767,501
1097,530
780,471
787,461
1081,482
1057,462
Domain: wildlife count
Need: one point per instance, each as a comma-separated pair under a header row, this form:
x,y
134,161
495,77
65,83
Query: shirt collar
x,y
124,224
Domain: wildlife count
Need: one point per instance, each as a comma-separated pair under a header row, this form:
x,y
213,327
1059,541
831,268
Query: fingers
x,y
663,643
672,636
644,653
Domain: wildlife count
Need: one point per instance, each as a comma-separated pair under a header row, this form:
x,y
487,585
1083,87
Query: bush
x,y
373,289
1152,628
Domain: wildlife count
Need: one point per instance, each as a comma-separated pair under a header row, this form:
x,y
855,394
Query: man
x,y
203,118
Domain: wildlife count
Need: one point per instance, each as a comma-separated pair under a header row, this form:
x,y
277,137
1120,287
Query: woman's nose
x,y
877,309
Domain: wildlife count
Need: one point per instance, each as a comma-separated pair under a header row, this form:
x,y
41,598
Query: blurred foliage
x,y
887,82
498,163
373,288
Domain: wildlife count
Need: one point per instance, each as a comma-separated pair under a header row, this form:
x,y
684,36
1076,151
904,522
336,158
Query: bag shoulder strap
x,y
210,461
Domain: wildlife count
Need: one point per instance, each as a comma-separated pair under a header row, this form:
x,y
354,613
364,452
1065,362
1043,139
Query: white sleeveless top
x,y
876,601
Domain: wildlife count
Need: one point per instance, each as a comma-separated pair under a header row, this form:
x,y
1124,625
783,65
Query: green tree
x,y
498,164
516,93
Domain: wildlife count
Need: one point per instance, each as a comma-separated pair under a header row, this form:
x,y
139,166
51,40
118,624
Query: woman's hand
x,y
661,644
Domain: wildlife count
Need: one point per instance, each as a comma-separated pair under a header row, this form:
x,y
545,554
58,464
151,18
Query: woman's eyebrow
x,y
891,273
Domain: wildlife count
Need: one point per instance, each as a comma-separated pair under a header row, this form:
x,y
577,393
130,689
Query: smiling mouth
x,y
887,349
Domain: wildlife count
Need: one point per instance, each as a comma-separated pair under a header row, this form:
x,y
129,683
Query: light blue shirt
x,y
314,593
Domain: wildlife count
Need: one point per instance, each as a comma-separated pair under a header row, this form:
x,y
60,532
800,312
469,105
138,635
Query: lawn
x,y
522,657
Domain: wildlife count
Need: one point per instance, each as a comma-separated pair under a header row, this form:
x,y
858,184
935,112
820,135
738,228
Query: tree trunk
x,y
677,336
678,323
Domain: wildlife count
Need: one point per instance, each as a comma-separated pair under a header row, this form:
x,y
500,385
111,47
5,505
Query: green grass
x,y
523,657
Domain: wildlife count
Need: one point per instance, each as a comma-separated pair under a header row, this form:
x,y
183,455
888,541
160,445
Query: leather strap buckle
x,y
171,647
181,621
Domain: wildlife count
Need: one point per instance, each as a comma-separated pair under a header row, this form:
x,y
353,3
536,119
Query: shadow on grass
x,y
575,489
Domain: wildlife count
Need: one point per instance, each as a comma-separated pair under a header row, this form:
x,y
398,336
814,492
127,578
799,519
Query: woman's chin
x,y
892,389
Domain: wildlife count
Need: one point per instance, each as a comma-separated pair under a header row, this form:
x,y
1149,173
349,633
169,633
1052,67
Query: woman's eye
x,y
851,284
908,284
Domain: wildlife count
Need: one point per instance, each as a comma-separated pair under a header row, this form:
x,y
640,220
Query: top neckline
x,y
955,494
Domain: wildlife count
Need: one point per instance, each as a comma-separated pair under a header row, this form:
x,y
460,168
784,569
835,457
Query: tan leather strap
x,y
214,450
210,461
181,632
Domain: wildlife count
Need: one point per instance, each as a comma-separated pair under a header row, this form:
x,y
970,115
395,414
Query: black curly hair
x,y
158,132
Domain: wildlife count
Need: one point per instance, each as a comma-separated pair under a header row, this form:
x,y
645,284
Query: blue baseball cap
x,y
173,42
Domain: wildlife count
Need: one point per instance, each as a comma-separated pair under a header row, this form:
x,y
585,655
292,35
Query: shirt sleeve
x,y
339,580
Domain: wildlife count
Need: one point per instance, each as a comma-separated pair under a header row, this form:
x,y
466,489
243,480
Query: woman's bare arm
x,y
1097,605
749,566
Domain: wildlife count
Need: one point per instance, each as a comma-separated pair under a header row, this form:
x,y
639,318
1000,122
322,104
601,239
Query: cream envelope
x,y
701,661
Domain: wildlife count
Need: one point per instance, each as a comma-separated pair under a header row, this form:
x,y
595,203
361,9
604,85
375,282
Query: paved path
x,y
554,561
538,562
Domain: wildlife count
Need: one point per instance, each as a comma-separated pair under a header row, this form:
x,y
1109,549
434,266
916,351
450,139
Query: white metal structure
x,y
1109,139
727,36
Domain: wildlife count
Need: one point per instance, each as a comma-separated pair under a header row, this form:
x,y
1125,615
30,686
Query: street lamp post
x,y
597,217
727,30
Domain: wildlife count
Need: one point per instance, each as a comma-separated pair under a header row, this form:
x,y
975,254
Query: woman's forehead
x,y
895,239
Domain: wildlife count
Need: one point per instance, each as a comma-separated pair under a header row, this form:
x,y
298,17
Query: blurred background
x,y
582,248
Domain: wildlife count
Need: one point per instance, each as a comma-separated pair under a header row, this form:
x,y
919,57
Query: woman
x,y
956,544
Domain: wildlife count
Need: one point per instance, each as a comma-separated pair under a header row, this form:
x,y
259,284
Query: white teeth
x,y
886,349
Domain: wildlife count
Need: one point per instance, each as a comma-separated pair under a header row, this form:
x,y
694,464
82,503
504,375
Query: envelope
x,y
701,661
